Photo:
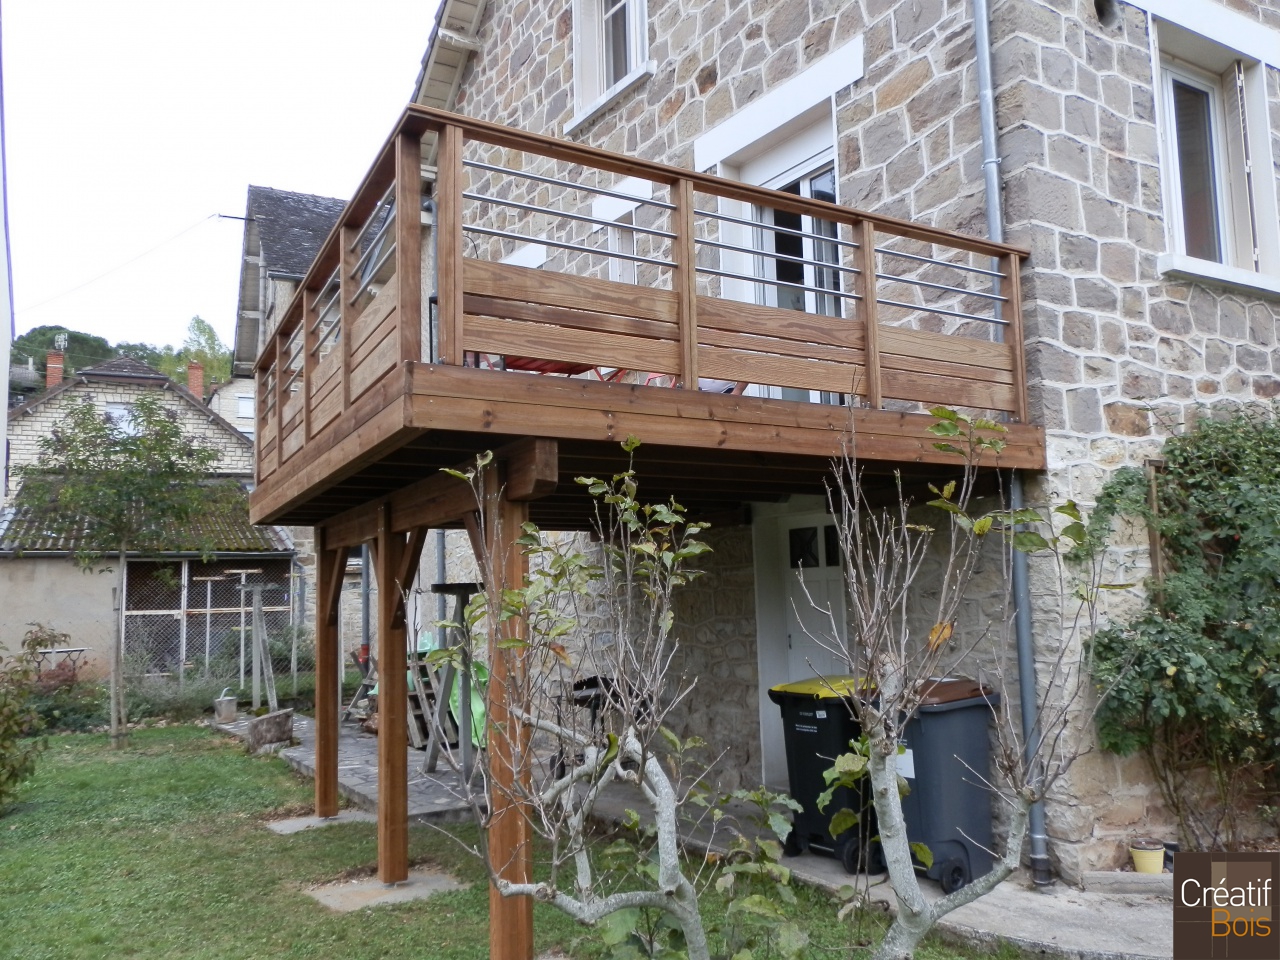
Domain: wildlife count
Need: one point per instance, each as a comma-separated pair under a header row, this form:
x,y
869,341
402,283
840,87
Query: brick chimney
x,y
53,369
195,379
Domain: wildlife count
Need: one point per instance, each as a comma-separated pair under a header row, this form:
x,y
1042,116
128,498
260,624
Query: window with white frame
x,y
610,52
244,406
1220,197
122,415
622,240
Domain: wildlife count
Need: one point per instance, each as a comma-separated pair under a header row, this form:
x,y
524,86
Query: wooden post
x,y
409,246
448,226
393,706
686,282
1011,265
870,320
346,309
260,419
510,849
330,565
282,371
309,352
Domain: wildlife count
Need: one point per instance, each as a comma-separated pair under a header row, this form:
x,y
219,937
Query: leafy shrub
x,y
1197,671
161,698
66,703
19,722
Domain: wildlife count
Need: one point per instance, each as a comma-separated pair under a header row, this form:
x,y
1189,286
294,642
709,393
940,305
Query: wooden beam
x,y
685,281
510,846
409,562
330,565
347,316
448,227
409,244
1012,264
866,286
533,468
393,705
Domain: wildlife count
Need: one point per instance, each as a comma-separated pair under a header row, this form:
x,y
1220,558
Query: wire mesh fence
x,y
187,619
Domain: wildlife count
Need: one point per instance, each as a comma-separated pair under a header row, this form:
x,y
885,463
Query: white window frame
x,y
244,400
1200,50
592,93
121,412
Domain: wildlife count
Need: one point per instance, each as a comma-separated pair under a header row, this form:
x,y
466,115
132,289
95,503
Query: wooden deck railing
x,y
550,253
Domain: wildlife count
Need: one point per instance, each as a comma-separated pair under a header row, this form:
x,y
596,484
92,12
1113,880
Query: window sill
x,y
597,106
1192,268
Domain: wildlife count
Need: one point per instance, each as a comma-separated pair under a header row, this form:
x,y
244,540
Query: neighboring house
x,y
181,607
1137,146
283,232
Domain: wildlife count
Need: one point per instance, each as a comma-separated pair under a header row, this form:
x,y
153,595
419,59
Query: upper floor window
x,y
244,406
1220,198
121,414
610,53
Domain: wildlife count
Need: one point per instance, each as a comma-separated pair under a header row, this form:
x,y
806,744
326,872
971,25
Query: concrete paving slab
x,y
352,895
291,825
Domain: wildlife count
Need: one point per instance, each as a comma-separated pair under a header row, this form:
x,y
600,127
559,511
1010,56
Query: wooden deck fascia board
x,y
465,399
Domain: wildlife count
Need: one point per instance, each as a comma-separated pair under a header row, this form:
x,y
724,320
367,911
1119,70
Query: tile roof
x,y
223,528
291,227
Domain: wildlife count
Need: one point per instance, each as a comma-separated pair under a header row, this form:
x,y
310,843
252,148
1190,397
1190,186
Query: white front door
x,y
800,612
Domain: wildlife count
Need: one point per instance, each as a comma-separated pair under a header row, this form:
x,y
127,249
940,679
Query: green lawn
x,y
159,851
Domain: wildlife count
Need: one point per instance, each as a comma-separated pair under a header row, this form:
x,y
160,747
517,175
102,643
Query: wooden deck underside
x,y
713,452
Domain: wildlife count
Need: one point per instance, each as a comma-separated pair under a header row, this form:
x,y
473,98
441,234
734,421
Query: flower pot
x,y
1148,854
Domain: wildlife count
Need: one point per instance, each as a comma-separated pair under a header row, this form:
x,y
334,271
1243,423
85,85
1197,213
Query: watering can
x,y
224,708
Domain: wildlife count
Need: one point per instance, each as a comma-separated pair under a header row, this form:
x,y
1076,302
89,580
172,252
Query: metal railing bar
x,y
542,241
602,191
558,214
373,272
821,264
375,244
807,234
919,308
942,286
384,201
780,283
942,263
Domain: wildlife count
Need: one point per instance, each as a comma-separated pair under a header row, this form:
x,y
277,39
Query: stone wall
x,y
1119,356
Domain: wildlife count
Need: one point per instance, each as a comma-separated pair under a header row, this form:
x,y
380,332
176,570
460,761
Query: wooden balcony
x,y
542,292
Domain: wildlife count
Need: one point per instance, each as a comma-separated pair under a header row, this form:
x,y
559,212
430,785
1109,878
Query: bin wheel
x,y
953,876
852,854
793,846
876,862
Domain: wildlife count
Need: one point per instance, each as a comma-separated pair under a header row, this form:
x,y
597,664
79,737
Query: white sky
x,y
130,122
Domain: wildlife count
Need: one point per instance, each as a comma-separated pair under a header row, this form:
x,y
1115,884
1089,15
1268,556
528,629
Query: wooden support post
x,y
330,565
393,706
1011,265
282,371
260,417
870,320
346,309
409,245
309,352
510,849
686,282
449,182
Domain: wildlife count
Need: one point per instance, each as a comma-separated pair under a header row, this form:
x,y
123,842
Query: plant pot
x,y
1148,854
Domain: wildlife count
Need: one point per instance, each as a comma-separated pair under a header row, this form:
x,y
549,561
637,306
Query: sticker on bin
x,y
907,764
821,714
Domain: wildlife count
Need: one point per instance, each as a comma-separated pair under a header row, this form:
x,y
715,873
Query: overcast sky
x,y
131,124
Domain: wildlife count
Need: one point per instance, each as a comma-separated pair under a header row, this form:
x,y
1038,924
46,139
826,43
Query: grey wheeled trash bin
x,y
947,759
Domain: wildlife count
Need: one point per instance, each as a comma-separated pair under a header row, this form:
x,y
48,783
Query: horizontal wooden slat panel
x,y
505,282
373,315
387,328
327,368
939,346
575,319
806,374
384,358
292,408
514,338
906,385
326,402
786,324
293,441
773,345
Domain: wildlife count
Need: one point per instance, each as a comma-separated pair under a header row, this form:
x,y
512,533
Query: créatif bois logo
x,y
1224,906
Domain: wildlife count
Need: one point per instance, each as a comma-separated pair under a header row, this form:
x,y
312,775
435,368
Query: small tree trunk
x,y
119,715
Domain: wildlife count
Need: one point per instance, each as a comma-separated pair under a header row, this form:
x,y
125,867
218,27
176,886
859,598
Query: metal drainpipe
x,y
442,609
1041,873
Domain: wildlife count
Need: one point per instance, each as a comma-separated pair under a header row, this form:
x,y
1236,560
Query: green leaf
x,y
616,927
843,820
922,853
780,824
1028,541
982,525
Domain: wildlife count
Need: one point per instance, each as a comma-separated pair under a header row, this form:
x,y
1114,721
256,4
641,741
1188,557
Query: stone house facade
x,y
1139,157
163,611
